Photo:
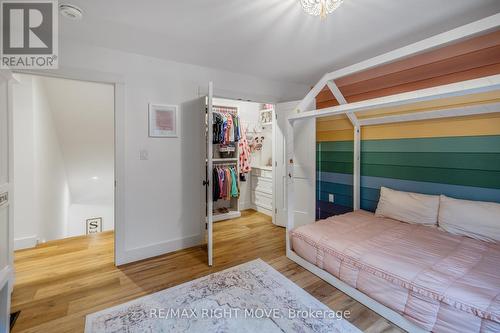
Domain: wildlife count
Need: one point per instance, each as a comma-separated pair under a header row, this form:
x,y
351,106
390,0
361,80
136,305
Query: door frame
x,y
120,252
281,110
7,272
273,148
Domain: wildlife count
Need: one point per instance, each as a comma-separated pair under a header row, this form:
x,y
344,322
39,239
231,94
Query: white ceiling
x,y
83,114
266,38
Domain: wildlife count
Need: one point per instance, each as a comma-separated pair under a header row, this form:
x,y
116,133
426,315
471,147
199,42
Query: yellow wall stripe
x,y
443,103
488,124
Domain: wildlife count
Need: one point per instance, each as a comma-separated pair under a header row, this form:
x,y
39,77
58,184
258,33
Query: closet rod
x,y
226,164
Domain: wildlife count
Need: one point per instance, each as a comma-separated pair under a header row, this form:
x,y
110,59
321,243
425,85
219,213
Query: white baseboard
x,y
263,210
157,249
25,242
245,205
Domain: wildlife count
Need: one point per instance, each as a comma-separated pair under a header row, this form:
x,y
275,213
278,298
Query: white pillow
x,y
408,207
475,219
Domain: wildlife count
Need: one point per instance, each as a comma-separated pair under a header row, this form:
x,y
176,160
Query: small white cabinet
x,y
262,189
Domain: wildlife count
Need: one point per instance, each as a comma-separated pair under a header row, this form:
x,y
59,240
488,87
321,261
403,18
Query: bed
x,y
438,281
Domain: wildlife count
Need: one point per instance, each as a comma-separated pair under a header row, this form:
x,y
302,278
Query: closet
x,y
225,169
241,164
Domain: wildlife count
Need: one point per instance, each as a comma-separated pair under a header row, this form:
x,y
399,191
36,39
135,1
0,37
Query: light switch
x,y
331,198
143,155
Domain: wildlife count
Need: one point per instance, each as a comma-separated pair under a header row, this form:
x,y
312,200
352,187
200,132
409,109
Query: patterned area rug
x,y
252,297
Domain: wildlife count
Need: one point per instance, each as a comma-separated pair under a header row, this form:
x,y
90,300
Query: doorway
x,y
64,159
250,152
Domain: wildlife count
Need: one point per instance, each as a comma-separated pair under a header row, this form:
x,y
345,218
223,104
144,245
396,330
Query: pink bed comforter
x,y
441,282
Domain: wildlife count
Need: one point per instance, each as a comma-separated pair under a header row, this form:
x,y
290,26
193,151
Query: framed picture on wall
x,y
94,225
164,121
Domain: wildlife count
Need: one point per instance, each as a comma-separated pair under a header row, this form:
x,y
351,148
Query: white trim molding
x,y
154,250
25,242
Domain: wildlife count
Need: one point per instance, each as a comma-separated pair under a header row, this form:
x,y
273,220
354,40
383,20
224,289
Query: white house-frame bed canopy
x,y
357,114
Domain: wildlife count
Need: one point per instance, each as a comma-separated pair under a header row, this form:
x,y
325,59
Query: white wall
x,y
25,227
159,217
51,184
83,114
41,190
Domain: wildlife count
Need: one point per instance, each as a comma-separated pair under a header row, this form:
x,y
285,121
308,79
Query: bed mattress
x,y
439,281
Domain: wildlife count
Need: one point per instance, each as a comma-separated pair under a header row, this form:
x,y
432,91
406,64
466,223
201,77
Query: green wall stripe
x,y
336,167
466,144
466,161
478,178
340,190
336,146
337,156
471,161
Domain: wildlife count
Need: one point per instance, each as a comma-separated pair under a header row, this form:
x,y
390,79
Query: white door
x,y
209,170
193,160
6,235
304,167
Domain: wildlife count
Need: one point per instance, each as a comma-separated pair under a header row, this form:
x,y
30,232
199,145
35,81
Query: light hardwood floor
x,y
60,282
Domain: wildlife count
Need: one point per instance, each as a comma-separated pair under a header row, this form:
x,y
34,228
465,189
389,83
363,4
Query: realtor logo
x,y
29,34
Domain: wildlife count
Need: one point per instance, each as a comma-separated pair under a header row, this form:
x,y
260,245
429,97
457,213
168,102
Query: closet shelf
x,y
233,159
232,214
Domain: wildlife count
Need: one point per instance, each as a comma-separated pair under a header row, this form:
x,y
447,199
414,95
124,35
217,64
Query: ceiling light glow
x,y
320,7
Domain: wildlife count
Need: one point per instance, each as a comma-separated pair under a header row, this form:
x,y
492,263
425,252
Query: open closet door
x,y
193,158
194,154
304,167
209,171
6,235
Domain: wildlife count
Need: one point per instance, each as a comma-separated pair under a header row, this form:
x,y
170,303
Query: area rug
x,y
252,297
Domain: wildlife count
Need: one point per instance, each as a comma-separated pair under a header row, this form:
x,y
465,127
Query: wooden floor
x,y
60,282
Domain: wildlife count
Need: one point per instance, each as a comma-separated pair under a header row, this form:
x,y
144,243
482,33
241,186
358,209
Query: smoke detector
x,y
71,11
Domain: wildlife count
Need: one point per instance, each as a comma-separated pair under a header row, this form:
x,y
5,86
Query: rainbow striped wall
x,y
465,165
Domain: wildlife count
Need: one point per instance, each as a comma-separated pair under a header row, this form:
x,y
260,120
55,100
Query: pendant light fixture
x,y
320,7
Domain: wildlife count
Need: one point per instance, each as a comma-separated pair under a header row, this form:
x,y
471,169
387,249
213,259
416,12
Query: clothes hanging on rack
x,y
226,127
225,184
235,191
244,158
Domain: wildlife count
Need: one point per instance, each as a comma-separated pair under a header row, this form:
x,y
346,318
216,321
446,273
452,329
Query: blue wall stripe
x,y
455,191
333,177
